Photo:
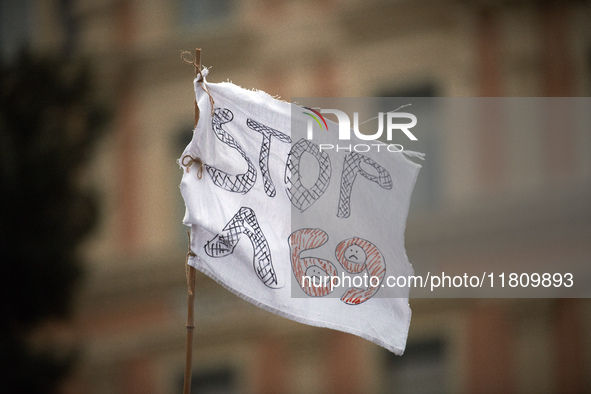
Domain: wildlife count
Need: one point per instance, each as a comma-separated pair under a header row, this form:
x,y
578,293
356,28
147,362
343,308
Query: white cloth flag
x,y
257,227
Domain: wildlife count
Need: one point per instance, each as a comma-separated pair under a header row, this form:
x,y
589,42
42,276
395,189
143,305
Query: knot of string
x,y
189,59
187,161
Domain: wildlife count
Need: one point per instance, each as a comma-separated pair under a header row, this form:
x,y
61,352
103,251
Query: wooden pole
x,y
191,277
190,329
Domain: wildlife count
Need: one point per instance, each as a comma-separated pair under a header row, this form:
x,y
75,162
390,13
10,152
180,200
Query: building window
x,y
198,13
217,381
15,28
589,71
420,370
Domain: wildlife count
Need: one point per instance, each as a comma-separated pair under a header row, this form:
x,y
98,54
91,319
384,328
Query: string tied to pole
x,y
200,74
187,161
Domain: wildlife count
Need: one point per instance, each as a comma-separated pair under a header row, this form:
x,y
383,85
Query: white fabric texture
x,y
248,235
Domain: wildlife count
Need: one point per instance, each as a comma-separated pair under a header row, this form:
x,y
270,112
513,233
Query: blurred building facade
x,y
481,196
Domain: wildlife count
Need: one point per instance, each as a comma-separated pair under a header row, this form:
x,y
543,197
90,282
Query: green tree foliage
x,y
49,124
